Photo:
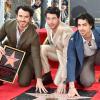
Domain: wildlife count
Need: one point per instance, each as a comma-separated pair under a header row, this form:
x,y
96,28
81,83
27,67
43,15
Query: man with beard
x,y
21,34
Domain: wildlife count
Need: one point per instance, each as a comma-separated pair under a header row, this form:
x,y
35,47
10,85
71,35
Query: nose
x,y
80,27
22,19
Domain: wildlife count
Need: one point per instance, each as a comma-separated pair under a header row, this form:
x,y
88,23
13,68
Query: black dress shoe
x,y
79,82
1,83
47,78
33,77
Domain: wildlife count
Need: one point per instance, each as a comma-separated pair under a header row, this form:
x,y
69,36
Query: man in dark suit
x,y
83,47
21,34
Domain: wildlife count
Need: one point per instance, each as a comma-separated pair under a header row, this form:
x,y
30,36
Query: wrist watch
x,y
64,82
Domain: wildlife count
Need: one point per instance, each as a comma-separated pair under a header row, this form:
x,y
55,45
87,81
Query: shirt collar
x,y
23,30
92,37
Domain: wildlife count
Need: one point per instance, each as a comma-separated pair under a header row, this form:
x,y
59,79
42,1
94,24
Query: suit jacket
x,y
60,41
29,42
76,53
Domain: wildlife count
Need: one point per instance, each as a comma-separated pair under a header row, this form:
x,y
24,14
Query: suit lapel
x,y
26,34
97,38
80,48
22,40
13,35
57,35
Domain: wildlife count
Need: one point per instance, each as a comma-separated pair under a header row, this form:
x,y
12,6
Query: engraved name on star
x,y
11,59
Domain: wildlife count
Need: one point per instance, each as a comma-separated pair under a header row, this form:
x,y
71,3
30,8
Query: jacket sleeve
x,y
66,36
2,32
35,48
71,60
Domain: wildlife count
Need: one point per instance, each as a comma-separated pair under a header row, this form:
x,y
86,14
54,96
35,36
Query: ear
x,y
31,18
16,16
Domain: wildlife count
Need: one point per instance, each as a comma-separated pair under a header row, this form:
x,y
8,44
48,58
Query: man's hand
x,y
61,88
40,87
2,52
72,93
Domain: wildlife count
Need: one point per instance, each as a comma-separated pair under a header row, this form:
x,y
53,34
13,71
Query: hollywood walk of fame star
x,y
55,96
11,59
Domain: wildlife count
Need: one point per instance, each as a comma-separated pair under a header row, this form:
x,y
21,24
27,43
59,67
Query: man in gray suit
x,y
21,34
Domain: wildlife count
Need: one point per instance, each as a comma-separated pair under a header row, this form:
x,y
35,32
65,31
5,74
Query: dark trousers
x,y
97,58
87,75
26,73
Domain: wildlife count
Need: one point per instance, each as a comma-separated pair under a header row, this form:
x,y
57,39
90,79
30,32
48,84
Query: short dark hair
x,y
25,8
87,17
53,10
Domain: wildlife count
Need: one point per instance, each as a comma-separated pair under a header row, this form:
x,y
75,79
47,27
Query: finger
x,y
77,94
36,89
44,90
69,95
55,91
0,55
2,51
64,91
61,91
40,90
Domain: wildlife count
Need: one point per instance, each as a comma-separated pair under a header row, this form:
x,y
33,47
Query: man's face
x,y
52,20
37,2
84,27
63,7
8,1
23,18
